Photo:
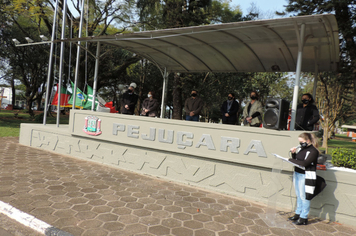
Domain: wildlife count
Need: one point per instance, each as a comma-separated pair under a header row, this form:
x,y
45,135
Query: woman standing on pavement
x,y
305,155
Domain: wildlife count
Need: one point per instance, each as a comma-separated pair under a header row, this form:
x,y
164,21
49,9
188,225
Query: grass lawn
x,y
340,141
10,123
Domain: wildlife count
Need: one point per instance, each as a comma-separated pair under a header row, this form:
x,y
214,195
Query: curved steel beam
x,y
240,40
153,49
327,25
285,44
218,51
186,52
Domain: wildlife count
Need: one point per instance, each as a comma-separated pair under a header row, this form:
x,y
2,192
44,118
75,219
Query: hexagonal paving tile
x,y
171,223
134,205
122,211
135,229
153,207
107,217
128,219
86,215
214,226
101,209
90,224
142,212
97,202
83,198
260,230
182,232
172,208
113,226
158,230
149,220
161,214
202,217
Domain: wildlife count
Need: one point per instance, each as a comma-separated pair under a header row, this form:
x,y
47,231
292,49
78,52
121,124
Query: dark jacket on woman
x,y
307,157
306,117
232,112
151,105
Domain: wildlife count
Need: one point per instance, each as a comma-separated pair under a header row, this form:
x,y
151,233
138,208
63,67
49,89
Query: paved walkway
x,y
84,198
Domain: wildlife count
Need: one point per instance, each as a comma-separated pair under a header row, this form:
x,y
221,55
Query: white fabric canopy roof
x,y
251,46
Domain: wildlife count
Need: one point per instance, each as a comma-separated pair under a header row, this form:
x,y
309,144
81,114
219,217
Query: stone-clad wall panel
x,y
337,202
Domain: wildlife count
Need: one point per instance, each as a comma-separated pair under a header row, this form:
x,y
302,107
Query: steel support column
x,y
300,37
97,58
61,58
74,89
316,73
48,88
164,93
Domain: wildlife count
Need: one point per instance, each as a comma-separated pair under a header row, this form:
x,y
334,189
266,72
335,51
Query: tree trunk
x,y
39,101
29,106
13,95
326,135
140,86
177,97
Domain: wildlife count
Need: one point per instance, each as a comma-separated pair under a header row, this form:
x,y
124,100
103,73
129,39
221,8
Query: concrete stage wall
x,y
228,159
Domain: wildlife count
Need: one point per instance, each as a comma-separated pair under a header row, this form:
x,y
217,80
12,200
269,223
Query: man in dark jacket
x,y
128,101
229,110
307,114
193,106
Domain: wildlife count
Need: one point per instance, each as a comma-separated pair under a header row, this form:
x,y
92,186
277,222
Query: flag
x,y
65,95
90,99
81,98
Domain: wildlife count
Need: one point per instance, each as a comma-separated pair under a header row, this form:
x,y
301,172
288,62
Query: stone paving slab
x,y
85,198
10,227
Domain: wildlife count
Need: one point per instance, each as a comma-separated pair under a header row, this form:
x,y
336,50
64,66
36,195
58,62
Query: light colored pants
x,y
303,205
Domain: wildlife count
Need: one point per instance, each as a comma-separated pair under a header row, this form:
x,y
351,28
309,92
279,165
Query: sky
x,y
264,5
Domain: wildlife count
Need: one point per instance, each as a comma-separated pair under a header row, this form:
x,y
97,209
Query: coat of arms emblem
x,y
92,125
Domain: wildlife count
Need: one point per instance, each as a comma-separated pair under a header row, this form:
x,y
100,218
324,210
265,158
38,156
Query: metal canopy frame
x,y
294,44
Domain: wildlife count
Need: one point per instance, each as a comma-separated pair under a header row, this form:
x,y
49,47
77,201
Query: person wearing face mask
x,y
253,111
150,105
306,184
307,113
193,106
128,101
229,110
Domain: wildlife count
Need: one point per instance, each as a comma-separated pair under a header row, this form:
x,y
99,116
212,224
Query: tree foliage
x,y
31,18
336,93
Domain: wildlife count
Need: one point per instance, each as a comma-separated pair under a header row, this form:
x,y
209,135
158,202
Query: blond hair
x,y
311,137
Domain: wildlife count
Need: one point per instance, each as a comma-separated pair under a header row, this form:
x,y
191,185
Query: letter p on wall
x,y
117,127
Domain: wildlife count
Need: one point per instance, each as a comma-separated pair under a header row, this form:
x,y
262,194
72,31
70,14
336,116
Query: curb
x,y
30,221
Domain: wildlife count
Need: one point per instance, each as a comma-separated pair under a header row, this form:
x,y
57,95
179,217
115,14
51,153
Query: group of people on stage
x,y
307,113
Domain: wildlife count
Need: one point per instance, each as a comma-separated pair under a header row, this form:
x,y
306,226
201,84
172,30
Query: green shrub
x,y
39,118
344,157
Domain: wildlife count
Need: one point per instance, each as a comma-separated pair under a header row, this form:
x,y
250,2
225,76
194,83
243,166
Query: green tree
x,y
32,18
332,96
345,81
